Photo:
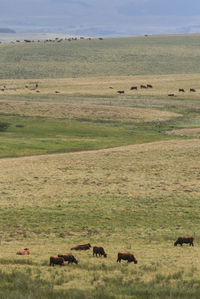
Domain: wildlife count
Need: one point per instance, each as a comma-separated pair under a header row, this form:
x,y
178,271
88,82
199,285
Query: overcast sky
x,y
101,17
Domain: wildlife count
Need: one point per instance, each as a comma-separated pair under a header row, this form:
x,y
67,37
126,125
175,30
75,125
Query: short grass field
x,y
81,163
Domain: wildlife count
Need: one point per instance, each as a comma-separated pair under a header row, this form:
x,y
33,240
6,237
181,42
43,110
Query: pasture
x,y
89,165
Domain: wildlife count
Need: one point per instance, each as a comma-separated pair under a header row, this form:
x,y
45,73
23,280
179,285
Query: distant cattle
x,y
143,86
56,91
26,86
55,260
110,87
81,247
181,90
127,257
149,86
133,87
36,85
68,258
186,240
171,95
99,251
120,91
192,90
23,252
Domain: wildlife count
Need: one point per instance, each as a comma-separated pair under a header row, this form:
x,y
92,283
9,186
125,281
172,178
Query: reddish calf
x,y
81,247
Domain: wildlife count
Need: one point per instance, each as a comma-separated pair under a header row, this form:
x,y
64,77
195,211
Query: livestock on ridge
x,y
186,240
127,257
99,251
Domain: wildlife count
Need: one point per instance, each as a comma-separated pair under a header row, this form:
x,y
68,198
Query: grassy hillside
x,y
136,191
176,54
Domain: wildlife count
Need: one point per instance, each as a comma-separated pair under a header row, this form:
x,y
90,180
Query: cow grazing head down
x,y
68,258
99,251
187,240
127,257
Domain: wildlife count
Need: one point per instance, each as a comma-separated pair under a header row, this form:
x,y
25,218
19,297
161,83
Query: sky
x,y
101,17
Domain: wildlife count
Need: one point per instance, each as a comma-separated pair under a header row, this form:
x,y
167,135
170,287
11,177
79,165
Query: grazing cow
x,y
127,257
149,86
36,85
120,91
143,86
171,95
37,91
110,87
192,90
181,90
186,240
81,247
55,260
99,251
68,258
23,252
57,91
133,87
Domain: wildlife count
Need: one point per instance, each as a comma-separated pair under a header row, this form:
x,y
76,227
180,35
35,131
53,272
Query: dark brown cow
x,y
143,86
181,90
120,91
149,86
127,257
186,240
171,95
56,91
55,260
99,251
68,258
23,252
133,87
81,247
192,90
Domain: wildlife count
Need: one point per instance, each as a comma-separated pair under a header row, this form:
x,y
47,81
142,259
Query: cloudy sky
x,y
101,17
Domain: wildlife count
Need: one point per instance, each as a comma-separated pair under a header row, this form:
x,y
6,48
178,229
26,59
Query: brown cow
x,y
23,252
192,90
171,95
143,86
133,87
127,257
68,258
181,90
81,247
186,240
55,260
120,91
99,251
149,86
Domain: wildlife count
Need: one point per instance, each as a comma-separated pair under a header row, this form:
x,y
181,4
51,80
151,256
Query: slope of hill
x,y
82,58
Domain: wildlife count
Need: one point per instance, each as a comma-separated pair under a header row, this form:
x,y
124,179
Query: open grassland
x,y
136,190
120,198
177,54
96,117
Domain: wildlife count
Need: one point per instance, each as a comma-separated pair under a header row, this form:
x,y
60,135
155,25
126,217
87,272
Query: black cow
x,y
143,86
181,90
149,86
133,87
192,90
99,251
68,258
120,91
127,257
55,260
186,240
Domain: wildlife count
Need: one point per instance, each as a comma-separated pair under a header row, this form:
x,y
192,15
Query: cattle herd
x,y
142,86
60,259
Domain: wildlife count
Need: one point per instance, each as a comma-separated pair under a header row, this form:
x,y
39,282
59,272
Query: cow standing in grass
x,y
127,257
186,240
55,260
99,251
68,258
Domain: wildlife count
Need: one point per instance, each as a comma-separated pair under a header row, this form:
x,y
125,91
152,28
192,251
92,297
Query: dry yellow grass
x,y
156,170
194,132
84,111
